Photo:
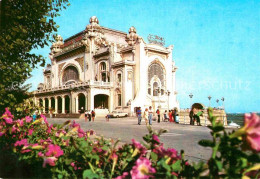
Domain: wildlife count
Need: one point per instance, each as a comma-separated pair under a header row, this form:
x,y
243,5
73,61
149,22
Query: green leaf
x,y
154,156
219,164
206,143
176,166
89,174
218,128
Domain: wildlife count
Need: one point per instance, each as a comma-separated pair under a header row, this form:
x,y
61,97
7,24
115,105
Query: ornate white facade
x,y
104,69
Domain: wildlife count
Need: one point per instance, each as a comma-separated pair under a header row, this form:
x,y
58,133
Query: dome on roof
x,y
132,29
93,19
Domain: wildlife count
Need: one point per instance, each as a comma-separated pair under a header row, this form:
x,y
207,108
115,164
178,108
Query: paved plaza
x,y
179,136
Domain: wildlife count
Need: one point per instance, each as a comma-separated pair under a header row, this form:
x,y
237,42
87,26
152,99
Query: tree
x,y
24,25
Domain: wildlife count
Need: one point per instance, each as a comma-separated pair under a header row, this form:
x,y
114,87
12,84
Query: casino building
x,y
104,70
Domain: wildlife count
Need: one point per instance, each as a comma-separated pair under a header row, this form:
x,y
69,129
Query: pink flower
x,y
49,129
44,118
156,139
252,129
139,146
2,133
7,116
125,174
142,169
30,131
25,151
74,124
28,119
80,135
54,150
40,154
114,156
20,122
21,142
50,161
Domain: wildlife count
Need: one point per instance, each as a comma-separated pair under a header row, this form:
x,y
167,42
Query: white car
x,y
118,114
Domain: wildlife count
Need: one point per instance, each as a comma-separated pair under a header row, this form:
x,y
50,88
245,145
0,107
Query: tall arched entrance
x,y
81,101
46,105
101,101
52,103
67,104
40,102
59,104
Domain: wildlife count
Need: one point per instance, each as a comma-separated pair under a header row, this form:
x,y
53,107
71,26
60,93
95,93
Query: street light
x,y
209,97
190,95
217,100
168,94
222,99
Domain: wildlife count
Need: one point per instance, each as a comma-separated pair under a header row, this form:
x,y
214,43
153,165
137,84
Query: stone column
x,y
86,101
90,100
49,100
77,104
56,104
63,104
72,102
35,101
43,104
111,101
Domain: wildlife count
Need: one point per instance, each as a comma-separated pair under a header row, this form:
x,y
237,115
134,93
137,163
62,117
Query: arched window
x,y
156,79
155,89
156,69
103,71
70,73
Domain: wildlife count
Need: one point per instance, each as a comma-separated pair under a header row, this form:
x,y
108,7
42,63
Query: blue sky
x,y
216,43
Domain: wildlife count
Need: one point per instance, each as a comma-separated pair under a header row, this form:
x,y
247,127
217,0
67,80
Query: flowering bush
x,y
39,149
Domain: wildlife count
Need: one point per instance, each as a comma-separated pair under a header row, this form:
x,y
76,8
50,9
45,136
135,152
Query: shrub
x,y
39,149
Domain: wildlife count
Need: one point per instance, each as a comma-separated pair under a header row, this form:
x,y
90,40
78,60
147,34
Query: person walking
x,y
158,114
86,115
107,117
191,117
170,116
146,116
166,118
93,114
139,115
89,116
150,111
174,113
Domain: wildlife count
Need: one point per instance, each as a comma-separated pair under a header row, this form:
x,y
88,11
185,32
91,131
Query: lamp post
x,y
190,95
217,101
209,97
168,94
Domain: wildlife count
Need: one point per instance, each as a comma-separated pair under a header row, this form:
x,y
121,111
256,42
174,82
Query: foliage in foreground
x,y
24,25
39,149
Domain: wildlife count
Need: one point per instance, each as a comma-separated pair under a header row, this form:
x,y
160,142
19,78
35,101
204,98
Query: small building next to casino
x,y
104,70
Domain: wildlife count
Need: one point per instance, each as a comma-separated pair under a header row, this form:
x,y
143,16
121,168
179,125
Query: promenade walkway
x,y
178,136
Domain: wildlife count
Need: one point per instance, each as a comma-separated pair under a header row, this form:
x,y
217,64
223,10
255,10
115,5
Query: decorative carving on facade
x,y
60,67
94,31
158,54
56,46
129,76
81,62
132,37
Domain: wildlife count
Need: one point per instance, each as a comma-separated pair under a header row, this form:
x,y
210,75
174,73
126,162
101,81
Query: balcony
x,y
78,85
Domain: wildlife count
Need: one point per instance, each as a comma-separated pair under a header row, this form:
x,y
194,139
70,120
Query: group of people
x,y
195,116
171,116
90,115
148,115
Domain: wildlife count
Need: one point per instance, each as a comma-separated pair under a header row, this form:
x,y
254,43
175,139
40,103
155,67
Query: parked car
x,y
118,114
